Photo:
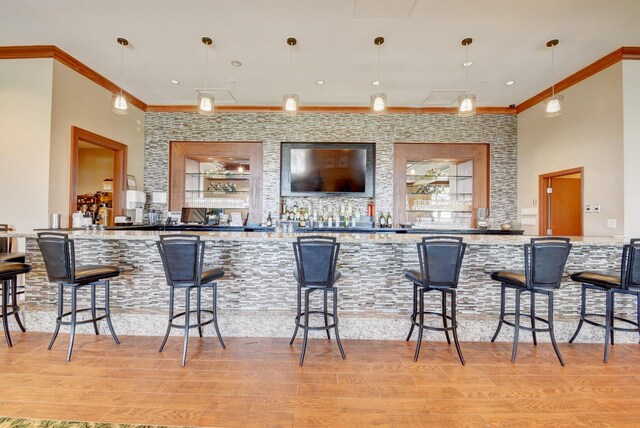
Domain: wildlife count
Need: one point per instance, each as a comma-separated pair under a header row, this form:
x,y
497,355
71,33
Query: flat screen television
x,y
193,215
341,169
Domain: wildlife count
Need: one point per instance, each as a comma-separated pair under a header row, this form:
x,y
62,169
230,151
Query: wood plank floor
x,y
257,382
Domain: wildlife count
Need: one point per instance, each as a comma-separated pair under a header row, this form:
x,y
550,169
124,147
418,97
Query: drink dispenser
x,y
135,204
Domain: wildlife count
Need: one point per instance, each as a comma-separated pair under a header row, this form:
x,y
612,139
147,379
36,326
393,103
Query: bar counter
x,y
258,288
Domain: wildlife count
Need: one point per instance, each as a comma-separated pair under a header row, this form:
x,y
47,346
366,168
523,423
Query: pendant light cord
x,y
553,86
466,69
379,47
121,66
291,68
206,67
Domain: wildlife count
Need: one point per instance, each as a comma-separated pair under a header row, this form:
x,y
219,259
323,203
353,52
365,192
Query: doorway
x,y
561,202
81,140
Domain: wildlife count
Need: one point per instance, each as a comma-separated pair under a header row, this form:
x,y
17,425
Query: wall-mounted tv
x,y
340,169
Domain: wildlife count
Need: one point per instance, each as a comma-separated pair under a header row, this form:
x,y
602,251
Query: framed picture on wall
x,y
131,182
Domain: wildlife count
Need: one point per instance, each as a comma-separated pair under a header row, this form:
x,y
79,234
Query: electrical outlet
x,y
611,223
588,209
596,209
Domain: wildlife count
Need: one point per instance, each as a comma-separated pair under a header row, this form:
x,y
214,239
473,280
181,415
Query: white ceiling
x,y
421,54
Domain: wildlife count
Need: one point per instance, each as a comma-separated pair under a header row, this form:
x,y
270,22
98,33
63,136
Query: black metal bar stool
x,y
58,252
628,282
440,261
183,260
8,255
316,259
8,274
544,261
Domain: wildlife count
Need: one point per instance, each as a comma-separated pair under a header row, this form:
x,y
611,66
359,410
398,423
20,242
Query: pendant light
x,y
467,101
290,101
553,106
206,100
119,101
378,101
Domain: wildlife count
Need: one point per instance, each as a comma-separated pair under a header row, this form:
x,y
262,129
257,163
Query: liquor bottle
x,y
382,220
346,221
389,220
269,220
353,220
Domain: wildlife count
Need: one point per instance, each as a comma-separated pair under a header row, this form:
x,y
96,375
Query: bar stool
x,y
7,255
58,252
8,274
316,259
628,282
440,259
183,259
544,261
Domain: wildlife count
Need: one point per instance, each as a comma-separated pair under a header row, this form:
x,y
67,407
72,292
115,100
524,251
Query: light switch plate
x,y
611,223
596,209
588,209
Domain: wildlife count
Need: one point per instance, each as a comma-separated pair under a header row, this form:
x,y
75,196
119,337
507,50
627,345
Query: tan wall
x,y
77,101
25,130
589,134
631,82
94,165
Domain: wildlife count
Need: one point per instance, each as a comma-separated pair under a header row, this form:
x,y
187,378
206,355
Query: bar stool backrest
x,y
182,258
441,260
631,265
544,261
316,261
4,242
58,252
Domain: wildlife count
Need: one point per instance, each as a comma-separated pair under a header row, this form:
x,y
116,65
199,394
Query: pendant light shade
x,y
206,100
467,101
119,101
290,102
553,106
379,103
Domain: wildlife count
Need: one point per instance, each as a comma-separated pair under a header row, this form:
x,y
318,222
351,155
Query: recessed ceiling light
x,y
320,82
375,82
510,82
236,63
467,64
174,81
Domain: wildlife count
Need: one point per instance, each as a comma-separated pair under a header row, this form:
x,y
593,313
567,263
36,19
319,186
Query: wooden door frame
x,y
119,166
480,153
543,212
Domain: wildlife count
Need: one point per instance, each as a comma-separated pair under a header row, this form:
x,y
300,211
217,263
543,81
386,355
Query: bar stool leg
x,y
420,324
613,310
326,317
215,314
516,327
14,303
638,314
607,327
72,332
335,321
298,315
93,308
533,318
186,324
551,328
107,310
444,315
582,313
306,325
60,312
502,305
454,323
5,319
199,295
415,311
166,336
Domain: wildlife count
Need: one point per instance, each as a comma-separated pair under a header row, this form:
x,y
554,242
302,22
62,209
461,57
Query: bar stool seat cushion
x,y
336,276
92,273
603,279
12,257
513,277
211,275
10,269
414,275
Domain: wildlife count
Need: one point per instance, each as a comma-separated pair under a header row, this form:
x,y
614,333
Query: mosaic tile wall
x,y
385,130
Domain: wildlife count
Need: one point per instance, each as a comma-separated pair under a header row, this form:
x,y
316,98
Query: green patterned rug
x,y
39,423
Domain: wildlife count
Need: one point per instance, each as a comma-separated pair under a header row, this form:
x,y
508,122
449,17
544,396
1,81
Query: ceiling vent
x,y
223,96
443,98
383,9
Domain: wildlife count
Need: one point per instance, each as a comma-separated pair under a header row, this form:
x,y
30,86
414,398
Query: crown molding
x,y
47,51
627,52
325,109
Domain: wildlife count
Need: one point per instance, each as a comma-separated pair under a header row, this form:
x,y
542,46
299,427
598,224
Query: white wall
x,y
25,131
589,134
631,97
77,101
